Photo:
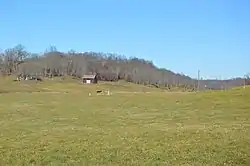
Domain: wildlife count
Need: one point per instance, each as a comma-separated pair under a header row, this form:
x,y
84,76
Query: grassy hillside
x,y
51,127
67,84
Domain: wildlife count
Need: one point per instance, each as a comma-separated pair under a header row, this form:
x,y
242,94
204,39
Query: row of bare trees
x,y
108,67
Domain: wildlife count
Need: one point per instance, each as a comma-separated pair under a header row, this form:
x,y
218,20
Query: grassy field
x,y
57,123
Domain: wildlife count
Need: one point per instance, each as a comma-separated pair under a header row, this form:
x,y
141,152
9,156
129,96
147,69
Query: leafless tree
x,y
247,79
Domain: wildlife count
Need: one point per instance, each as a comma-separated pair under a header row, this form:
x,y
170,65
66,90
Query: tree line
x,y
107,66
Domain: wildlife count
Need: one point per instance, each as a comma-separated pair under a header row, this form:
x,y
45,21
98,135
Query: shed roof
x,y
89,76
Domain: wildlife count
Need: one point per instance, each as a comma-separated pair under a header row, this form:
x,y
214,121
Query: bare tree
x,y
247,79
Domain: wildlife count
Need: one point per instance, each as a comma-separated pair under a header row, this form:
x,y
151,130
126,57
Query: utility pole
x,y
221,83
245,81
198,82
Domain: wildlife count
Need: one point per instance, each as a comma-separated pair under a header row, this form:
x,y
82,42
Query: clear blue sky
x,y
180,35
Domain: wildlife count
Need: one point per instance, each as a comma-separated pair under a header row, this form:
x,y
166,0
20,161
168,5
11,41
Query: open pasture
x,y
57,123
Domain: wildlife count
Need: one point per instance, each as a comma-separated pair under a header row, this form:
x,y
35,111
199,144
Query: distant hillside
x,y
108,67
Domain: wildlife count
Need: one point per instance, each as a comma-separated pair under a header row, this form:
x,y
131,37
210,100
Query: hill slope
x,y
109,67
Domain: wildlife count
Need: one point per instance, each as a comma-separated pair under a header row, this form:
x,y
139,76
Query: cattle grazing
x,y
99,91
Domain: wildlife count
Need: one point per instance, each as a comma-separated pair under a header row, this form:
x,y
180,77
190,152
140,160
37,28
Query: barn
x,y
88,79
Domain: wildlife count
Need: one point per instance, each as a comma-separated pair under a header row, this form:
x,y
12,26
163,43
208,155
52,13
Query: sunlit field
x,y
57,122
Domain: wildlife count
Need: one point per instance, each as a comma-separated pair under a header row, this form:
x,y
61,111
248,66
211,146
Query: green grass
x,y
51,127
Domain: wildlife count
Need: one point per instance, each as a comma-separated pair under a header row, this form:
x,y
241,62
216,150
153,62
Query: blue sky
x,y
180,35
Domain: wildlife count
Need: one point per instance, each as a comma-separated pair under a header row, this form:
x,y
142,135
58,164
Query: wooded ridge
x,y
107,66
